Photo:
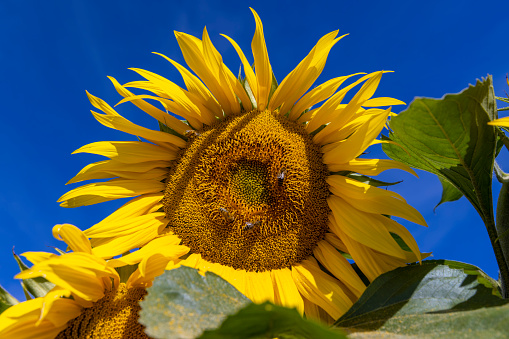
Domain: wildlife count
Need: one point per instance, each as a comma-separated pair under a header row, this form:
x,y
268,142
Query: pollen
x,y
115,316
249,192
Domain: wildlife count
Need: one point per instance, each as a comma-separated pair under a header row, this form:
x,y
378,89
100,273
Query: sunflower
x,y
264,191
88,300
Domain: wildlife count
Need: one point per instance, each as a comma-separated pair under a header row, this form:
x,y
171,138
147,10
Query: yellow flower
x,y
257,187
88,299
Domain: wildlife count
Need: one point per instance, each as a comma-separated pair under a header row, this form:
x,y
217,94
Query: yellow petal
x,y
192,50
367,90
320,288
262,64
317,95
109,190
73,237
129,226
382,101
37,257
122,124
393,227
366,259
336,264
122,244
250,75
295,84
285,290
316,313
238,89
192,261
49,300
168,246
112,119
230,84
363,227
179,126
110,169
148,269
148,86
188,104
194,85
504,122
369,167
372,199
79,273
345,150
145,204
329,111
128,152
333,239
375,118
193,120
259,287
19,321
235,277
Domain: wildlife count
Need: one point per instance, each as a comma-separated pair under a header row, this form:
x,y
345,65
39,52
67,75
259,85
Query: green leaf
x,y
481,323
438,298
6,300
450,138
38,287
449,192
270,321
182,303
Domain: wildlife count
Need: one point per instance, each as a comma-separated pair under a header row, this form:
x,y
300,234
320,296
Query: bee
x,y
226,214
191,134
281,177
250,225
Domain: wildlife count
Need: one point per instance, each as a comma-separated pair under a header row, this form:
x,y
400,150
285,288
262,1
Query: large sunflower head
x,y
256,185
88,299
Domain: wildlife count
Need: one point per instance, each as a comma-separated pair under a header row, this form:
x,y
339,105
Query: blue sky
x,y
53,51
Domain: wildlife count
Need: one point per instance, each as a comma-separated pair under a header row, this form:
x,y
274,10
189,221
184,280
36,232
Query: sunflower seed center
x,y
249,192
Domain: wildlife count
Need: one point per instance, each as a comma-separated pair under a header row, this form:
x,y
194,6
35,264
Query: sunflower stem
x,y
501,242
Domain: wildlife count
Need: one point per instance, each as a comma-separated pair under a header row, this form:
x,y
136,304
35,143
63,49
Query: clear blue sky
x,y
52,51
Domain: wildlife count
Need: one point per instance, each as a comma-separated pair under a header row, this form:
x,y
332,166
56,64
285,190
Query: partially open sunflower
x,y
257,186
88,300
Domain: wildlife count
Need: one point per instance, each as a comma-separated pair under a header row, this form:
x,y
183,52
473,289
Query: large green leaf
x,y
270,321
182,303
37,287
436,299
489,323
450,138
6,300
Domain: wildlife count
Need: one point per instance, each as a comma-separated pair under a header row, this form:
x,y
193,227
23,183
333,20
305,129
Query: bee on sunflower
x,y
251,183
